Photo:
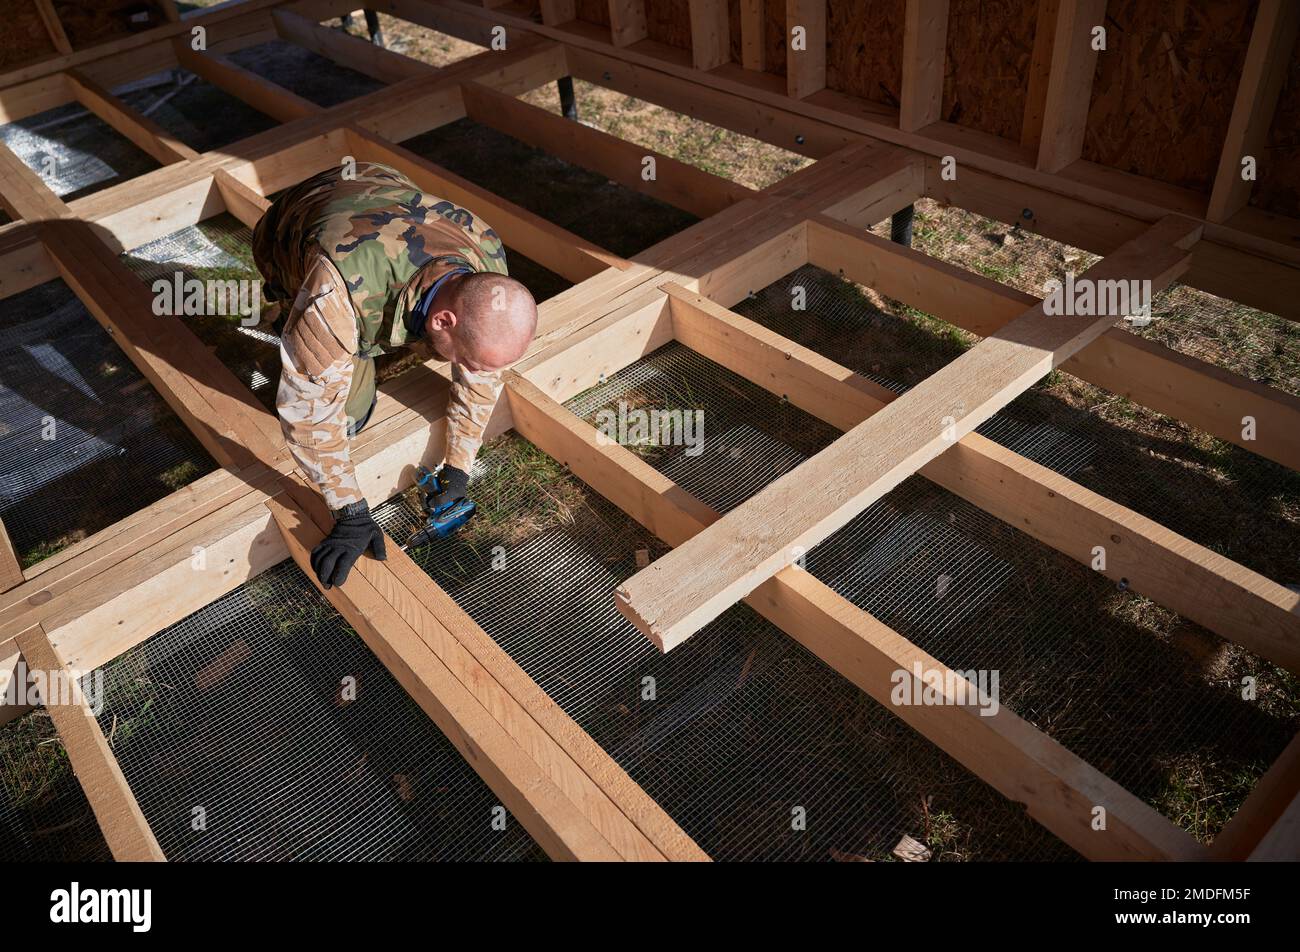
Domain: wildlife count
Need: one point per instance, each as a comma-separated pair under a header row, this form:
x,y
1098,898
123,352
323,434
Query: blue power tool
x,y
439,521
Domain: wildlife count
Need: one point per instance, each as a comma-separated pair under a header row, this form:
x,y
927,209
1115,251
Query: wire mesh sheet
x,y
74,151
748,741
44,815
262,728
86,440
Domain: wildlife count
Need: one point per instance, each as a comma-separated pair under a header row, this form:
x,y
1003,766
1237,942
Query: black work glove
x,y
454,483
355,530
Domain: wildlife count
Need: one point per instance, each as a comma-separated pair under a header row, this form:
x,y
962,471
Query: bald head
x,y
483,321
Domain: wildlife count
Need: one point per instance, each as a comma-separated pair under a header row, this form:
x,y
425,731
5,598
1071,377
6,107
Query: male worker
x,y
375,265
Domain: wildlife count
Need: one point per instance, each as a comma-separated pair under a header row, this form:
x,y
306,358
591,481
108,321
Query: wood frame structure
x,y
102,596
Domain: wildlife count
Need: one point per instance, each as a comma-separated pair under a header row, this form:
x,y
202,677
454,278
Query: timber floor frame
x,y
104,595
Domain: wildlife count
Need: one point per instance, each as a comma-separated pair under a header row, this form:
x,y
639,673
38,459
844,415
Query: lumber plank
x,y
1142,370
243,201
710,33
555,12
1282,842
347,50
1058,789
1202,585
124,826
1040,73
805,68
1069,87
546,243
636,827
677,183
209,399
140,129
627,22
925,38
11,573
690,586
262,94
1267,60
53,26
1263,807
550,817
23,193
753,48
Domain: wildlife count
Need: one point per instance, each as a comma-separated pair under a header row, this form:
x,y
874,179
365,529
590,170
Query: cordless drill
x,y
440,521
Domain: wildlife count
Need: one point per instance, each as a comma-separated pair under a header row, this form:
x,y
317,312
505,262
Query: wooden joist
x,y
690,586
262,94
753,48
53,26
674,182
805,47
1145,371
548,244
925,37
1058,789
347,50
140,129
1069,88
244,202
710,33
553,777
1265,70
1194,581
124,826
11,573
627,22
23,193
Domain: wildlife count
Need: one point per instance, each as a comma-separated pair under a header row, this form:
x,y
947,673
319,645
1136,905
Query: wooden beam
x,y
1267,60
1202,585
546,243
555,12
627,23
1069,88
1040,74
23,193
690,586
805,47
140,129
243,201
124,826
674,182
217,407
753,45
262,94
1262,809
347,50
550,817
925,42
11,572
1282,842
1144,371
53,26
710,33
1059,790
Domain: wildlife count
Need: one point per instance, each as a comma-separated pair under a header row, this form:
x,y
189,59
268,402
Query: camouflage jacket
x,y
357,255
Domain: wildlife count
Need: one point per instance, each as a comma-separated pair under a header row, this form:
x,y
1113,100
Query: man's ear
x,y
443,320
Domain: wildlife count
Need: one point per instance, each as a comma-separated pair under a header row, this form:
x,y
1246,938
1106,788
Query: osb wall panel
x,y
22,37
986,73
1278,188
1164,87
865,57
733,17
594,11
669,21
